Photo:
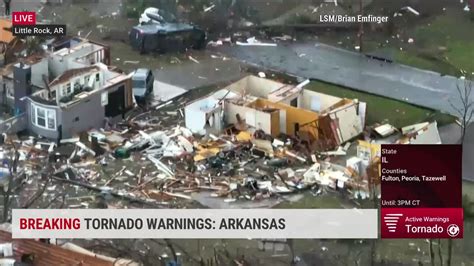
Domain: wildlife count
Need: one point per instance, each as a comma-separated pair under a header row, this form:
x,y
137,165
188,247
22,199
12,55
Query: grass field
x,y
384,110
444,44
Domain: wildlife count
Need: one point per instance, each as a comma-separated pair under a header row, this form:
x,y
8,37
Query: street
x,y
349,69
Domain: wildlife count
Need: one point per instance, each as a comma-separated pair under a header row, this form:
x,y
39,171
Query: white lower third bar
x,y
196,223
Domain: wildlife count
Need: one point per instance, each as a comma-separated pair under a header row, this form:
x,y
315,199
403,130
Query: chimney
x,y
21,85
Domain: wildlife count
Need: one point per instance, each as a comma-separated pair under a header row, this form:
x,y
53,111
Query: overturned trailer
x,y
161,36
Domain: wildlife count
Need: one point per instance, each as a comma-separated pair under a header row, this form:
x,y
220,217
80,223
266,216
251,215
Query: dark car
x,y
166,37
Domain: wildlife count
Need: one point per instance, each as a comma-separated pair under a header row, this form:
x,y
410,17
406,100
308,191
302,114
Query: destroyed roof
x,y
68,74
66,41
284,92
385,130
46,254
422,133
78,50
255,86
7,71
41,100
6,35
414,128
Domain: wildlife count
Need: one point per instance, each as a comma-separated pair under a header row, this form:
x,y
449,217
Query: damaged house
x,y
40,252
256,103
67,91
8,42
369,150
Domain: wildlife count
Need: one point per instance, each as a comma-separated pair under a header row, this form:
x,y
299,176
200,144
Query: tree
x,y
9,189
440,253
14,184
450,251
465,112
373,176
432,255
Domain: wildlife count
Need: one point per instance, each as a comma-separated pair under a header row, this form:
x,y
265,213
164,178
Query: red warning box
x,y
421,193
23,18
422,222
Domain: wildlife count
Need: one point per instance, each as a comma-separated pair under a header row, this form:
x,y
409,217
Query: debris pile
x,y
236,166
153,159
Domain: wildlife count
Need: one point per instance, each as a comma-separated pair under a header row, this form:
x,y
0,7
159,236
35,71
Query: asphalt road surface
x,y
334,65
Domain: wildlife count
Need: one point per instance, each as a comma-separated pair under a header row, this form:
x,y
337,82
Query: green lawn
x,y
444,44
425,60
384,110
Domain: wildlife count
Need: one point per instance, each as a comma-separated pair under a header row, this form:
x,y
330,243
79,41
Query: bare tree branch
x,y
440,253
12,168
465,109
37,195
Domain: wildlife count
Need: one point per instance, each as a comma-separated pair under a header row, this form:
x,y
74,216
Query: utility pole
x,y
360,34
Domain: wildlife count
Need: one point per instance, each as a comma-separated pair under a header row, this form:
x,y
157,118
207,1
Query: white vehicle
x,y
142,82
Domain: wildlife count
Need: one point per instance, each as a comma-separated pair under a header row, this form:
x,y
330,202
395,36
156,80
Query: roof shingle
x,y
6,36
46,254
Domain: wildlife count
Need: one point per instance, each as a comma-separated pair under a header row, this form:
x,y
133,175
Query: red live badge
x,y
23,18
